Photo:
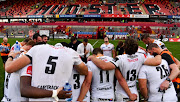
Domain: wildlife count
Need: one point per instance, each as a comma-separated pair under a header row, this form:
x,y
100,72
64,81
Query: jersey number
x,y
51,70
101,76
163,71
7,80
133,73
77,77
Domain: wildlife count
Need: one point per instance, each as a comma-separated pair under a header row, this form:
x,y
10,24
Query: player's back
x,y
102,80
155,75
51,66
12,85
129,66
76,81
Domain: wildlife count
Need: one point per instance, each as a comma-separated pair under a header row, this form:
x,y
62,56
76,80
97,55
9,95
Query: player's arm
x,y
177,62
114,53
124,85
14,65
153,61
32,92
81,69
174,71
101,64
143,88
85,86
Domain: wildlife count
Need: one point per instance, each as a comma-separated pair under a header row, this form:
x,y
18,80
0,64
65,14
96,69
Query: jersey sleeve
x,y
76,58
115,61
89,63
163,46
168,58
30,53
142,73
26,71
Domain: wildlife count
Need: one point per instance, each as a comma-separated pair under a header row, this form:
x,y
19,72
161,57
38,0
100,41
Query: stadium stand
x,y
51,7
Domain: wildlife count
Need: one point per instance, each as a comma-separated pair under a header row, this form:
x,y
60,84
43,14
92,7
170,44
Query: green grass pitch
x,y
174,47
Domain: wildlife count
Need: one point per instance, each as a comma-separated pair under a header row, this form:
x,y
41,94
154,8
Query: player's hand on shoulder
x,y
63,94
133,97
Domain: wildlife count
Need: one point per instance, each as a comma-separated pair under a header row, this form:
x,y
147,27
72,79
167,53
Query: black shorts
x,y
4,58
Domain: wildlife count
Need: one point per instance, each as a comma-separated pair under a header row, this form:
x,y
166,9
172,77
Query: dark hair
x,y
85,40
40,43
42,36
65,44
73,39
120,43
106,37
97,50
35,36
30,42
130,46
26,40
144,36
151,45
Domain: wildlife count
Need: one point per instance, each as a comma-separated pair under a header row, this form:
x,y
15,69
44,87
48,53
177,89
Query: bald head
x,y
5,39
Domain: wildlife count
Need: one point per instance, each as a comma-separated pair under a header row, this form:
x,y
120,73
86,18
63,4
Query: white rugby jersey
x,y
102,81
107,49
51,67
155,75
129,66
159,43
12,85
76,81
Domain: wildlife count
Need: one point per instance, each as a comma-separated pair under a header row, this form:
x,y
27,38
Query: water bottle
x,y
16,47
67,87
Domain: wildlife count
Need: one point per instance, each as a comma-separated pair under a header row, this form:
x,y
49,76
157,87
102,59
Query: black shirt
x,y
74,46
120,50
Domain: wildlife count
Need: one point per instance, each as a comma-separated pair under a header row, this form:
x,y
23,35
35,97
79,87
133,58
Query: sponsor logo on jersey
x,y
105,88
48,87
29,70
133,60
12,48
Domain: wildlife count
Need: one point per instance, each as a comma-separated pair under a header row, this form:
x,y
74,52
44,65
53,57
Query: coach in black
x,y
74,43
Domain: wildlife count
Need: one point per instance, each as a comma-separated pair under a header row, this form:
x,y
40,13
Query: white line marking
x,y
95,42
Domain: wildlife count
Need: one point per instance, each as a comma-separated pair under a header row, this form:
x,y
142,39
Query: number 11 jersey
x,y
102,80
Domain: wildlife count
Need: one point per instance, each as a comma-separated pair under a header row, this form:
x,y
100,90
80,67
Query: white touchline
x,y
95,42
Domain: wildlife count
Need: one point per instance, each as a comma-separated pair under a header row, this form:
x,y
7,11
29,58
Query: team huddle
x,y
39,71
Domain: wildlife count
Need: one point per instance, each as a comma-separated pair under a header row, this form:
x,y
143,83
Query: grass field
x,y
174,47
